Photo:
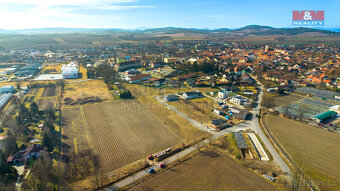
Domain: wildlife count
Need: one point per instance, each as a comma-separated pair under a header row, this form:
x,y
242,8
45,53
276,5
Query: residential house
x,y
218,112
191,95
248,92
31,152
218,124
238,112
238,100
138,78
170,97
222,95
120,67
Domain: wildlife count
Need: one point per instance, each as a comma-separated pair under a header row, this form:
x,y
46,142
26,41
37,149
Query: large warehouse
x,y
28,70
323,116
6,89
70,71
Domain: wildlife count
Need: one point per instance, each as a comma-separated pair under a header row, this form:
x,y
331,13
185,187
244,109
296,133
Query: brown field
x,y
119,132
76,145
316,150
91,88
83,72
208,170
205,90
47,103
52,69
198,109
44,97
50,91
13,83
285,99
146,97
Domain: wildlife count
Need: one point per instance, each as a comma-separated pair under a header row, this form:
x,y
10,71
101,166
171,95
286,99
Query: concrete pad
x,y
43,77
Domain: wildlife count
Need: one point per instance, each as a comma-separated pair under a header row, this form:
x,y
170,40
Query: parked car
x,y
162,165
150,157
151,170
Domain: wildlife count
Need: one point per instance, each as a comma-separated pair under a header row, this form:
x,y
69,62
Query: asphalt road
x,y
257,129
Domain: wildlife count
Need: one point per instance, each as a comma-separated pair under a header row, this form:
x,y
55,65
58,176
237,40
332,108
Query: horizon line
x,y
146,28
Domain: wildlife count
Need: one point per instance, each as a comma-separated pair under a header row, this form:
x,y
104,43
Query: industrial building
x,y
6,89
4,98
70,71
28,70
323,116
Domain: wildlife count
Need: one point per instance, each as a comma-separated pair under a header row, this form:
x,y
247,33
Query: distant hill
x,y
247,30
254,28
79,38
266,30
175,30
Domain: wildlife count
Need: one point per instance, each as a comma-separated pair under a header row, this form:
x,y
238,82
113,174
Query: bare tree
x,y
299,178
198,147
267,101
44,176
99,172
302,109
210,139
286,109
97,167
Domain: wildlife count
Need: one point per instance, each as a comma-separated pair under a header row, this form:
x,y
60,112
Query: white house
x,y
70,70
191,95
238,112
222,95
218,112
237,100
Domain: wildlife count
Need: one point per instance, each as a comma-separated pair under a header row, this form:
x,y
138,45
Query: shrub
x,y
125,95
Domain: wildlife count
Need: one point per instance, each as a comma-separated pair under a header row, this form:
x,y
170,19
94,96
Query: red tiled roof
x,y
35,148
139,77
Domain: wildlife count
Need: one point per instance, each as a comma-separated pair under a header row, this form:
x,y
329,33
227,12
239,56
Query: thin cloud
x,y
48,3
226,16
71,8
77,13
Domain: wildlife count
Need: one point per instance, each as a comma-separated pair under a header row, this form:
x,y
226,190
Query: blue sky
x,y
131,14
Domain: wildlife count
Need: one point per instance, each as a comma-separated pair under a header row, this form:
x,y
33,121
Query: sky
x,y
138,14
